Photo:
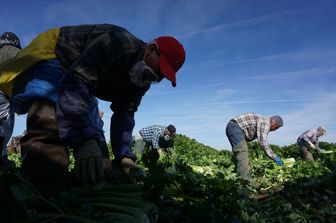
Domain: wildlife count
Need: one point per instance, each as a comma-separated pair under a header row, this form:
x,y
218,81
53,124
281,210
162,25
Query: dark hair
x,y
171,129
9,38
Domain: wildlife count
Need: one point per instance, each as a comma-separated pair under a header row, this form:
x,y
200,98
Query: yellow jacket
x,y
41,48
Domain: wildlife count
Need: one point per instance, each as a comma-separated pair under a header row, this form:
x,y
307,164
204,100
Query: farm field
x,y
193,183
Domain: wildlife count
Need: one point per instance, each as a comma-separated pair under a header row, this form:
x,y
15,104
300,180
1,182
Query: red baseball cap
x,y
172,56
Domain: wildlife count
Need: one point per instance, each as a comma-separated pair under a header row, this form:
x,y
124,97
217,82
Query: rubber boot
x,y
242,163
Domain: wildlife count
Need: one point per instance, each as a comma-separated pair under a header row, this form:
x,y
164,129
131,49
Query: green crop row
x,y
193,183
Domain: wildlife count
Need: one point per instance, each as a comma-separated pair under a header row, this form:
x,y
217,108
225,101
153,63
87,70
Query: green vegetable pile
x,y
192,183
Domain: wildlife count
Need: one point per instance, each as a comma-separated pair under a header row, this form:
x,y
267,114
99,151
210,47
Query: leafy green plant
x,y
192,183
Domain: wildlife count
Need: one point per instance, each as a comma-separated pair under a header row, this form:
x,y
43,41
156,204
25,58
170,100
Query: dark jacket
x,y
102,55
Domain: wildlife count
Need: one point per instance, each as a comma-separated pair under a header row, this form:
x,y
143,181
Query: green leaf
x,y
24,192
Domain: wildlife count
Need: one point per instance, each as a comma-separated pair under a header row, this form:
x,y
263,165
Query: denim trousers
x,y
237,140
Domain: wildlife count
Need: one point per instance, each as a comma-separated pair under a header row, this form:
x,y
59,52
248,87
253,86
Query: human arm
x,y
165,146
4,106
76,111
307,136
160,151
311,145
155,138
262,134
122,124
271,154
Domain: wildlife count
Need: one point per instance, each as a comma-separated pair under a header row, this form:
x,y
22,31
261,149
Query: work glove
x,y
89,162
278,161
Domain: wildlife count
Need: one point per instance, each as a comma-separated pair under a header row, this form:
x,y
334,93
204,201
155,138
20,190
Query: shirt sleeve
x,y
4,106
262,135
155,139
122,124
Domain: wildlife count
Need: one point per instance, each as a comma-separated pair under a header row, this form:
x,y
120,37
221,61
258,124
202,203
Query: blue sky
x,y
264,56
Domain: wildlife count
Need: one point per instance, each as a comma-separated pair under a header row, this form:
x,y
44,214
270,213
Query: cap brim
x,y
167,71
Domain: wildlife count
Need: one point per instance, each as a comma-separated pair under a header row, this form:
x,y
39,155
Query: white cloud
x,y
237,23
312,54
291,74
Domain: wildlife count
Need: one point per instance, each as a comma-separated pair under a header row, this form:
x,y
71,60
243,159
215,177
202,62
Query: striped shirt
x,y
152,134
256,127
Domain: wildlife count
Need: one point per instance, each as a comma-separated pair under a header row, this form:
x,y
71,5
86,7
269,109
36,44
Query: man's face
x,y
274,126
167,133
152,59
101,114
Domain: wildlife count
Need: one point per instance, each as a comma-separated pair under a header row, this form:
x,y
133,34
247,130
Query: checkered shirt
x,y
151,134
256,127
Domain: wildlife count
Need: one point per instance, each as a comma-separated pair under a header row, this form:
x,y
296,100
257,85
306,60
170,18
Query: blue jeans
x,y
305,150
301,143
234,133
237,140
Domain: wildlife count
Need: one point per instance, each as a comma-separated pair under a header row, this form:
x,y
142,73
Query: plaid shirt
x,y
256,127
152,134
102,56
